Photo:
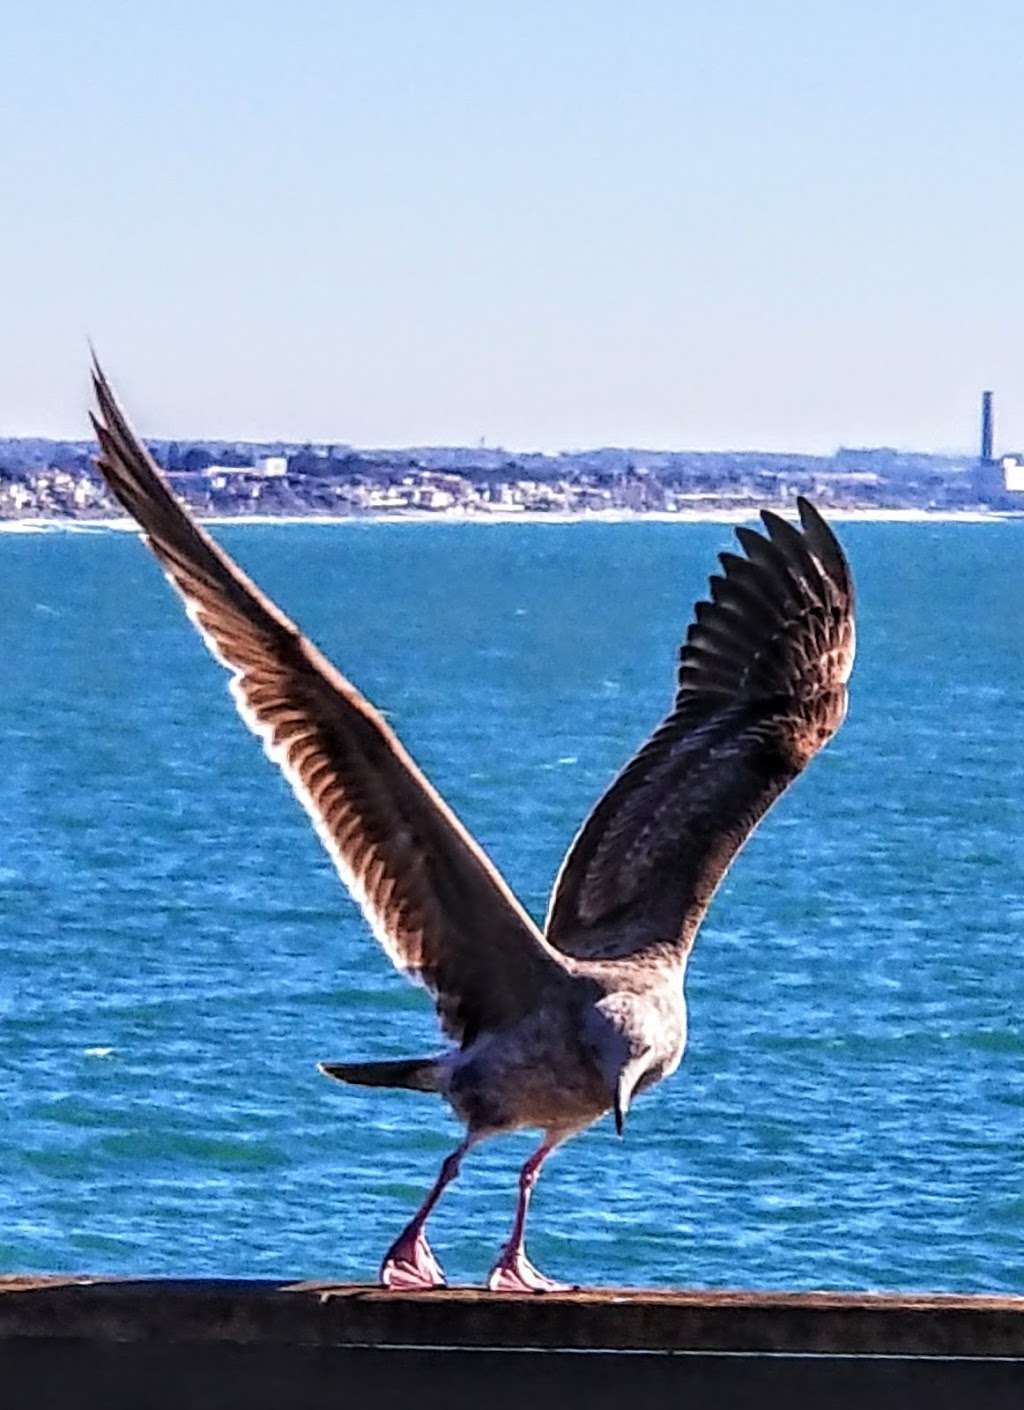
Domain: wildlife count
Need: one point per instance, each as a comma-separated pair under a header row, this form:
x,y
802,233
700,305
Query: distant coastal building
x,y
988,473
1013,474
217,476
998,483
271,465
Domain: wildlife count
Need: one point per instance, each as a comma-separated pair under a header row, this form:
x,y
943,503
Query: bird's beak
x,y
622,1095
629,1075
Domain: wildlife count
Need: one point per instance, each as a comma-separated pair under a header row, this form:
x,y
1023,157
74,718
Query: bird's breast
x,y
538,1073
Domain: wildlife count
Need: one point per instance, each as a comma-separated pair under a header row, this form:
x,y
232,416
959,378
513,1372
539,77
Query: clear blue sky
x,y
733,223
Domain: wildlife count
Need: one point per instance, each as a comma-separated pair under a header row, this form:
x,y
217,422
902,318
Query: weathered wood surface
x,y
590,1319
218,1344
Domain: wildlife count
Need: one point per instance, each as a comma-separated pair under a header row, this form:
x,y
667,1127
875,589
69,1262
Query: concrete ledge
x,y
70,1342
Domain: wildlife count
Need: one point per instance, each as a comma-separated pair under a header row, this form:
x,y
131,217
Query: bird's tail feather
x,y
416,1074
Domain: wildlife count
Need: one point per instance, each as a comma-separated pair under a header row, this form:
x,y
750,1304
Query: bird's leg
x,y
409,1263
513,1271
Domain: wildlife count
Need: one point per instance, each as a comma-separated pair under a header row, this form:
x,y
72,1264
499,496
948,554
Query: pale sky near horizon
x,y
705,225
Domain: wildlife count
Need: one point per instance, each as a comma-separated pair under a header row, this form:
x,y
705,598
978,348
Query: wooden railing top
x,y
586,1319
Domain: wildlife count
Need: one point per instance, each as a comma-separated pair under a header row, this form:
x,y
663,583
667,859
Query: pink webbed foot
x,y
514,1272
410,1266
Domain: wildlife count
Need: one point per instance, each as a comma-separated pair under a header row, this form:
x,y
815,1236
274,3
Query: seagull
x,y
549,1029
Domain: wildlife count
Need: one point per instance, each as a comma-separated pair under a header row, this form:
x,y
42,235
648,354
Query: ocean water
x,y
176,953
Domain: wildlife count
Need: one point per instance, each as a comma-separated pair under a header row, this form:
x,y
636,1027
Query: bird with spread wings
x,y
550,1029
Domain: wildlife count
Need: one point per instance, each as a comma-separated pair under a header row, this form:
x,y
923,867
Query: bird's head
x,y
620,1050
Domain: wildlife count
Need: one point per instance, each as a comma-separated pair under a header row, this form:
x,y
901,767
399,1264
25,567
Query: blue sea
x,y
176,952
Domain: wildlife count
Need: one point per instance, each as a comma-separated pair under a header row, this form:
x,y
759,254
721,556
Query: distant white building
x,y
386,499
1013,474
267,466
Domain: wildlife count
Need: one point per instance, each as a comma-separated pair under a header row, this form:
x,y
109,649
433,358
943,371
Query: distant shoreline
x,y
738,515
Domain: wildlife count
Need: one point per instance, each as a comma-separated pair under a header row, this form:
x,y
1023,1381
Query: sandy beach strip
x,y
739,515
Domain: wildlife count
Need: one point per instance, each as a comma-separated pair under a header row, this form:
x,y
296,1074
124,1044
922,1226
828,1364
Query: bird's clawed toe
x,y
410,1266
514,1272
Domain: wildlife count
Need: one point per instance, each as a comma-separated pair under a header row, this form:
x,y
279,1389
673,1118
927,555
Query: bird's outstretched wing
x,y
434,900
762,686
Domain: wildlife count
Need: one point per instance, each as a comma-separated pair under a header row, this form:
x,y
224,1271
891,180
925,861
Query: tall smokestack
x,y
986,428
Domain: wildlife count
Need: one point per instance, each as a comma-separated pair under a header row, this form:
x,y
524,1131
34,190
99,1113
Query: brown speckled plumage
x,y
553,1028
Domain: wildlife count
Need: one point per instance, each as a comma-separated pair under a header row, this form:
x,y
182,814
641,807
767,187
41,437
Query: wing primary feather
x,y
826,547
